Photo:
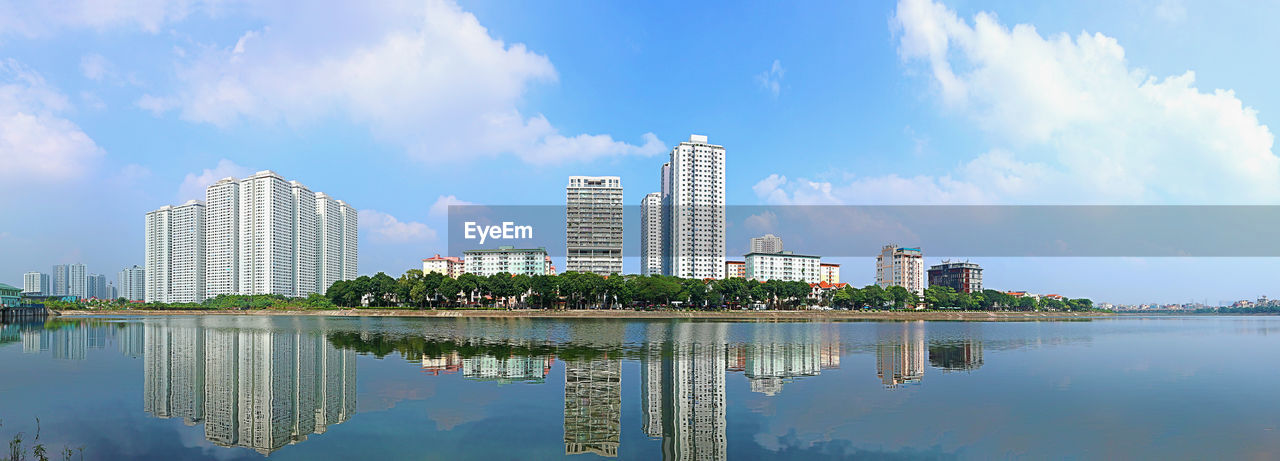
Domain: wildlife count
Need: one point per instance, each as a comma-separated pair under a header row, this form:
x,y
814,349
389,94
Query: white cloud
x,y
384,228
440,208
771,80
37,19
1171,11
94,66
194,185
36,143
423,75
1071,122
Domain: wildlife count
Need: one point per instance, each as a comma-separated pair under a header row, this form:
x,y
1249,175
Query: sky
x,y
110,109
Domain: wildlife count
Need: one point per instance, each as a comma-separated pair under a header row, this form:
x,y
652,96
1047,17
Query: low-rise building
x,y
735,269
785,266
964,277
451,266
515,261
830,272
10,296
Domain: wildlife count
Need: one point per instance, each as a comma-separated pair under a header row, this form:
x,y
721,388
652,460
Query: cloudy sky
x,y
109,109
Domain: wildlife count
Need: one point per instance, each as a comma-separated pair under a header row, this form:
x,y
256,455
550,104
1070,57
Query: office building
x,y
904,267
768,243
830,273
267,235
451,266
511,260
174,254
964,277
695,209
132,281
36,283
651,232
735,269
593,227
785,266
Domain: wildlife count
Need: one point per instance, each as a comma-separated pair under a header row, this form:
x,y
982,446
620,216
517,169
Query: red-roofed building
x,y
451,266
830,272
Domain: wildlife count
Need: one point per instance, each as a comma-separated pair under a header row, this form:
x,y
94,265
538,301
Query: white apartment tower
x,y
904,267
174,261
266,235
696,223
768,243
651,234
336,244
305,240
593,227
36,282
222,238
132,280
77,283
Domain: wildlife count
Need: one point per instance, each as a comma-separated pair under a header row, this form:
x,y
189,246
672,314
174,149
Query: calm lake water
x,y
243,387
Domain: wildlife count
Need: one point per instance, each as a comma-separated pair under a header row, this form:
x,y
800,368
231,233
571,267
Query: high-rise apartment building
x,y
60,280
77,281
96,287
267,235
36,283
593,228
768,243
336,245
131,280
904,267
695,183
651,234
174,254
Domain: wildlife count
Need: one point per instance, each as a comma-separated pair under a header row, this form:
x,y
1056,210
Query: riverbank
x,y
627,314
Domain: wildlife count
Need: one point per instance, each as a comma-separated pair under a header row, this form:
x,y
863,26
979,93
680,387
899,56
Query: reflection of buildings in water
x,y
963,355
900,354
65,342
592,406
782,353
252,387
448,363
504,370
684,396
130,339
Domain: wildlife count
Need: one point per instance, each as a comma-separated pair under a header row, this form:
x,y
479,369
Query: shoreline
x,y
624,314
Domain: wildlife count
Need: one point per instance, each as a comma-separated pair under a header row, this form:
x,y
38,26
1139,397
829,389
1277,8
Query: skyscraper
x,y
132,281
335,246
77,284
768,243
267,235
904,267
174,254
651,234
695,208
96,286
61,280
593,227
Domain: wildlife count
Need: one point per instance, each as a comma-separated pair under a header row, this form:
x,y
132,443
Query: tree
x,y
900,297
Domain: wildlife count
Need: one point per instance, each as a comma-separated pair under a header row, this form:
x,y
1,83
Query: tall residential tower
x,y
174,261
593,230
695,182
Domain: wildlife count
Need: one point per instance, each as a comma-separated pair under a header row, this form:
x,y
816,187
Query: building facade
x,y
77,281
695,207
830,273
768,243
785,266
651,232
60,280
36,283
132,280
451,266
735,269
174,254
964,277
904,267
593,224
96,287
267,235
511,260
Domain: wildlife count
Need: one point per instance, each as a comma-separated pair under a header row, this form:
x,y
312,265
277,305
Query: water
x,y
241,387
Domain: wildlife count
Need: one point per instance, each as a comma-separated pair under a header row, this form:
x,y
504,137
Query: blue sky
x,y
110,110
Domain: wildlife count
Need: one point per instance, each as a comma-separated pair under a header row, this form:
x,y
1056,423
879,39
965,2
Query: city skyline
x,y
855,104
